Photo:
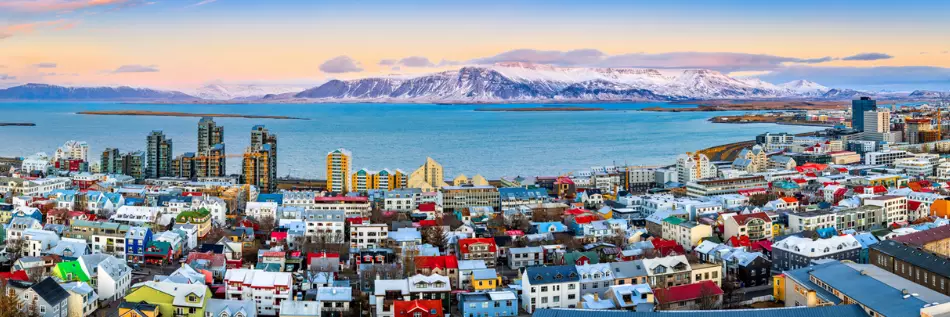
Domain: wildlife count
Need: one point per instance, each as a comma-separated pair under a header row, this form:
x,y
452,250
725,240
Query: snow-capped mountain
x,y
505,82
930,94
238,91
805,87
53,92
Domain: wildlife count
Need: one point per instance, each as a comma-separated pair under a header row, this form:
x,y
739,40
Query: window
x,y
570,297
557,299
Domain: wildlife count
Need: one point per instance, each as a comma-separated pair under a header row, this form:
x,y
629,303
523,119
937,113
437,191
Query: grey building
x,y
858,107
525,257
133,164
209,135
628,272
159,155
111,161
51,299
796,252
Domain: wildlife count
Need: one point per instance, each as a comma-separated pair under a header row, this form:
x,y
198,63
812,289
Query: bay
x,y
490,143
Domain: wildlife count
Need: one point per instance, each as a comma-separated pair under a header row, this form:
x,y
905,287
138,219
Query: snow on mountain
x,y
518,81
930,94
238,91
53,92
805,87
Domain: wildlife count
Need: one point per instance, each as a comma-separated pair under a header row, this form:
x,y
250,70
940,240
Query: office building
x,y
858,108
209,135
338,170
110,161
260,160
159,152
690,167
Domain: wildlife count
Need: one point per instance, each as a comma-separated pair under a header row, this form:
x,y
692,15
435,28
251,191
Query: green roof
x,y
572,257
673,220
163,248
71,271
186,216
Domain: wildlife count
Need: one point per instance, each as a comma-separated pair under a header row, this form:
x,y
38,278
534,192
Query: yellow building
x,y
131,309
778,287
338,170
399,179
428,177
461,180
257,170
479,180
485,280
363,180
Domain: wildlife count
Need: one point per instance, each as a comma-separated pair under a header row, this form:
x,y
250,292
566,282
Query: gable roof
x,y
551,274
686,292
50,291
921,238
926,260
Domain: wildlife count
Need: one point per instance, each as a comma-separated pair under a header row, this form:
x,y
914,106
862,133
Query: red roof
x,y
913,205
584,219
355,220
564,180
343,199
739,241
750,191
424,307
576,211
278,235
191,194
464,244
321,255
790,199
743,219
427,223
437,262
16,275
686,292
762,245
427,207
514,233
921,238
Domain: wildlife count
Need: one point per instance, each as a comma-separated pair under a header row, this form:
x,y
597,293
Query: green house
x,y
70,271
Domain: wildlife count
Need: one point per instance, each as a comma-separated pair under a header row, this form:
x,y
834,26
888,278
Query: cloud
x,y
889,77
867,57
388,62
723,61
45,65
30,27
395,68
201,3
445,62
135,69
40,6
340,64
416,61
7,77
816,60
561,58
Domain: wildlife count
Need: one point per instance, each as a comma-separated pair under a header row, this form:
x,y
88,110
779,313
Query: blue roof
x,y
277,198
865,290
552,274
519,193
825,233
823,311
866,239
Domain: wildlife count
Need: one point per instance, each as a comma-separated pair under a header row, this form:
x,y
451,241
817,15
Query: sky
x,y
181,44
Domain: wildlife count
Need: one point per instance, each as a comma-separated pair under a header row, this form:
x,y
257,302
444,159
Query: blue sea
x,y
492,144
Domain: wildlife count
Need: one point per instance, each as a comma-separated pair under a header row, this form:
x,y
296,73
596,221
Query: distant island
x,y
730,105
541,109
183,114
17,124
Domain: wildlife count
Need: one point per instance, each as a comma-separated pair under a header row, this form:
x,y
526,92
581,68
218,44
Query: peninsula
x,y
541,109
732,105
182,114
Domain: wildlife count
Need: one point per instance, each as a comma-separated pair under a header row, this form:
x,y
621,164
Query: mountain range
x,y
502,82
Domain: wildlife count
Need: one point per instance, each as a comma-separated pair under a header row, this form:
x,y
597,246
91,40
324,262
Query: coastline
x,y
17,124
182,114
747,119
738,105
541,109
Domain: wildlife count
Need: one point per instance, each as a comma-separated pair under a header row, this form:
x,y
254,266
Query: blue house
x,y
867,240
544,227
136,239
273,198
485,304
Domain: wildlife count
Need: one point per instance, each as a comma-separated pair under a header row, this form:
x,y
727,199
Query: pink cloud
x,y
55,5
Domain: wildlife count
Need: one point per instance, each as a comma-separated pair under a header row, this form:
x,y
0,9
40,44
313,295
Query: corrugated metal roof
x,y
824,311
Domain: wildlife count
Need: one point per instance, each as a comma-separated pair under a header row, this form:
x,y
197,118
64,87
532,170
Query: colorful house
x,y
200,218
417,308
500,303
70,271
485,279
136,240
172,299
158,252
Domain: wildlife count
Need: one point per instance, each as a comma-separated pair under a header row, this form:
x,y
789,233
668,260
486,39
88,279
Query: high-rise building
x,y
399,179
110,162
858,108
209,135
210,160
913,127
159,151
338,170
72,150
133,164
877,121
260,160
363,180
691,167
184,166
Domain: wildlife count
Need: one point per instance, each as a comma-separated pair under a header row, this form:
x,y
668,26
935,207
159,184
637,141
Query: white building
x,y
38,241
37,187
395,288
110,275
217,207
690,168
368,235
328,224
73,150
135,215
811,220
885,157
266,289
920,167
260,210
550,287
83,300
401,200
895,208
36,162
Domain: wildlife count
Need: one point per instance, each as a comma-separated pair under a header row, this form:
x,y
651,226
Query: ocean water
x,y
492,144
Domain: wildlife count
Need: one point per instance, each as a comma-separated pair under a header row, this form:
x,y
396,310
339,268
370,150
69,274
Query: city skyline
x,y
872,45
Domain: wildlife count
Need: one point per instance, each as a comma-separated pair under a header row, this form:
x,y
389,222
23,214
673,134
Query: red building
x,y
478,249
689,297
417,308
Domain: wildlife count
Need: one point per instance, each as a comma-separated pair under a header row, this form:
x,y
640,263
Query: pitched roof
x,y
686,292
822,311
434,262
406,308
921,238
926,260
50,291
551,274
465,243
743,219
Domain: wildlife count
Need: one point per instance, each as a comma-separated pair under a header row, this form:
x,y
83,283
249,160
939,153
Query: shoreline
x,y
541,109
182,114
749,119
738,105
17,124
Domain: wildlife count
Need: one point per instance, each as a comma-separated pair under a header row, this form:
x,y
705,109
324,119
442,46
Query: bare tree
x,y
520,222
249,254
497,222
267,224
36,274
214,235
15,247
760,200
708,299
732,294
434,235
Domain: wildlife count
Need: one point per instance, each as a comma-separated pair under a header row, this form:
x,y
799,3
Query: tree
x,y
10,305
214,235
760,200
708,298
498,222
520,222
79,202
15,247
732,293
434,235
249,254
267,223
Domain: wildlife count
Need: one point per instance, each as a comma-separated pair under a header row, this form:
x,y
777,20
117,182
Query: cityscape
x,y
239,158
